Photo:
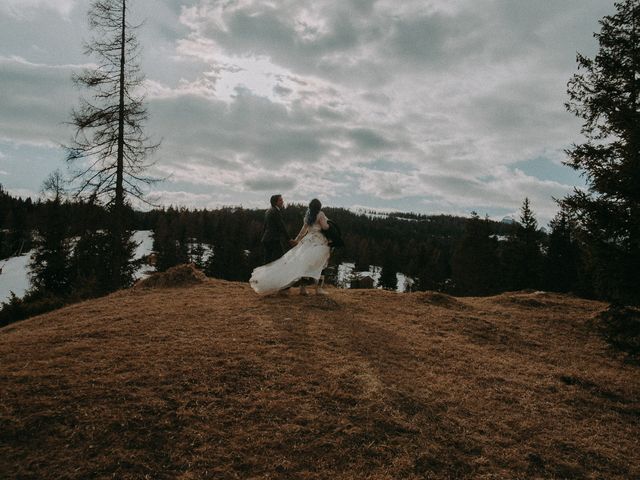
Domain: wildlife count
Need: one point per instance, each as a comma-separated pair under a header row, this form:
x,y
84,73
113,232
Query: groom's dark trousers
x,y
272,251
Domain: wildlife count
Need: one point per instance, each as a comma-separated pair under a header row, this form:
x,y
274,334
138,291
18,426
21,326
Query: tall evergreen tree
x,y
605,95
563,255
110,148
363,256
432,267
49,266
523,252
229,259
474,263
388,274
169,241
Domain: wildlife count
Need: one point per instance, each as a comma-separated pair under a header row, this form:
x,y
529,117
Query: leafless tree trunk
x,y
109,150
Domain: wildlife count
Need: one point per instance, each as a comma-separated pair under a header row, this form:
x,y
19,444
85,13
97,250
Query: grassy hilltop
x,y
193,378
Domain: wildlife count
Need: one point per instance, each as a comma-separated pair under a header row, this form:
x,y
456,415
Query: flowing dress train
x,y
307,259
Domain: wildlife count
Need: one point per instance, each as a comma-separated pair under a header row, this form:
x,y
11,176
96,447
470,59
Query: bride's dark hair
x,y
312,212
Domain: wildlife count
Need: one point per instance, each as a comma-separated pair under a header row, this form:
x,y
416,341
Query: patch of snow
x,y
144,239
377,214
405,283
500,238
15,276
346,271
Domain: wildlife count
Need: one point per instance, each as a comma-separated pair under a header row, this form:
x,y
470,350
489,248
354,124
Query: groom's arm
x,y
282,228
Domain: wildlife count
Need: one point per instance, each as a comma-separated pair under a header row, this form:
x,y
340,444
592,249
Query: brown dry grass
x,y
210,381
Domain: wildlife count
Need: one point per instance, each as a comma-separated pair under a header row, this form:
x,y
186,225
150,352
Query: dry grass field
x,y
203,379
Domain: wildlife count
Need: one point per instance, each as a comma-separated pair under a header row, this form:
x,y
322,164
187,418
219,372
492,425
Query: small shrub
x,y
621,327
28,306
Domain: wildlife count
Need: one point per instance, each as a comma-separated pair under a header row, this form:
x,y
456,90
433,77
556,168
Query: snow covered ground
x,y
14,277
345,270
144,239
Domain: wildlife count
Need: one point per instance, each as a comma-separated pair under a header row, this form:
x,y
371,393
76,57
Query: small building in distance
x,y
362,280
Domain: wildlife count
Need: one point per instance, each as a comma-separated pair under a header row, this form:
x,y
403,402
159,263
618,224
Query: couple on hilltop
x,y
305,261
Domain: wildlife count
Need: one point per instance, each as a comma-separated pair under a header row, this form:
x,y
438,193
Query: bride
x,y
306,260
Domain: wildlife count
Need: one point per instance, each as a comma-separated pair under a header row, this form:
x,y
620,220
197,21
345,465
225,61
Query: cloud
x,y
428,104
296,36
255,130
35,101
504,188
23,9
479,65
185,199
270,182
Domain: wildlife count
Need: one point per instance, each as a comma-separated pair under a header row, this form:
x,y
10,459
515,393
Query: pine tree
x,y
474,261
432,267
165,244
90,274
229,260
49,266
605,95
109,148
523,254
363,258
388,275
563,255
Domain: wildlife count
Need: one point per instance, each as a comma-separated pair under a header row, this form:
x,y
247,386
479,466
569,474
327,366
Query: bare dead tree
x,y
109,152
54,186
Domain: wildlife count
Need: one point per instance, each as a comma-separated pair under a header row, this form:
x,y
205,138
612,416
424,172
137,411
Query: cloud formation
x,y
426,105
21,9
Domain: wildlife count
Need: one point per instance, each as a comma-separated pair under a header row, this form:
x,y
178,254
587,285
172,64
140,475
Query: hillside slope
x,y
210,381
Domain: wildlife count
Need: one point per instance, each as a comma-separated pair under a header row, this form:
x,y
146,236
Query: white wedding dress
x,y
307,259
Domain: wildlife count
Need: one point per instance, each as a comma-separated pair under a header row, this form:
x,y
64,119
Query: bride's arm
x,y
303,232
322,220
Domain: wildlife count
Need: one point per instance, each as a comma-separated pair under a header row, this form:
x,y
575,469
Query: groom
x,y
274,231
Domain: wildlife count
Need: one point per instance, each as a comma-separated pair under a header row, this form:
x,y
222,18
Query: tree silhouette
x,y
474,261
563,255
109,149
605,95
432,267
49,265
230,260
523,255
388,274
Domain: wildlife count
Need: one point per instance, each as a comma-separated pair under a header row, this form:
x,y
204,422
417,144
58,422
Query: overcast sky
x,y
431,106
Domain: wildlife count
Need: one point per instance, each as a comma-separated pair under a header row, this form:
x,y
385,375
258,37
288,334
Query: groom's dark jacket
x,y
274,227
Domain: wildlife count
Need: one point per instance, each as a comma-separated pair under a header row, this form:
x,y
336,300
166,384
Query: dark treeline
x,y
461,256
69,248
21,218
419,246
